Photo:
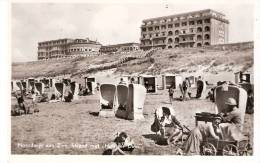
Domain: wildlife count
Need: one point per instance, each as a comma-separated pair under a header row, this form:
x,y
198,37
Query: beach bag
x,y
155,127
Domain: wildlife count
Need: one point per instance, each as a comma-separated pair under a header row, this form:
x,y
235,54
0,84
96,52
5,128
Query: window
x,y
169,40
199,37
163,27
163,33
177,24
176,39
206,43
184,24
207,20
206,37
207,28
150,28
199,29
199,22
191,22
169,25
156,27
170,33
191,30
144,29
177,32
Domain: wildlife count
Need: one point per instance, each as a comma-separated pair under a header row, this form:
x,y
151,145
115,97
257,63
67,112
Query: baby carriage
x,y
238,145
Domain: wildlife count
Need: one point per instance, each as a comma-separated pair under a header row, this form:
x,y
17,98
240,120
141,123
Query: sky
x,y
108,23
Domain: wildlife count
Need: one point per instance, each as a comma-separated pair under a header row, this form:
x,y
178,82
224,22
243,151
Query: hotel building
x,y
191,29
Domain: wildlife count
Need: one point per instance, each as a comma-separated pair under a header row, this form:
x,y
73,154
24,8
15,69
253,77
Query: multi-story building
x,y
126,47
192,29
67,48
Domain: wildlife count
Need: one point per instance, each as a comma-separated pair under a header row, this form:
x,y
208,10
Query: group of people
x,y
22,107
185,85
225,126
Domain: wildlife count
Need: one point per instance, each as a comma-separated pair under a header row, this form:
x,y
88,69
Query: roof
x,y
76,40
184,14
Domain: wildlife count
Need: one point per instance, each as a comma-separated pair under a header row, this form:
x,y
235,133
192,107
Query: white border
x,y
5,69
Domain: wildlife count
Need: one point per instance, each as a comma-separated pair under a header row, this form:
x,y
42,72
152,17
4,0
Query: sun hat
x,y
231,101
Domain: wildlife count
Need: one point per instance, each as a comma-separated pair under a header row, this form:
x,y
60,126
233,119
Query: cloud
x,y
112,23
60,27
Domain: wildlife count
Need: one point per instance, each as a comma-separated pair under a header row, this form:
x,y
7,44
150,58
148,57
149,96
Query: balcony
x,y
186,41
146,38
187,34
159,36
142,46
159,44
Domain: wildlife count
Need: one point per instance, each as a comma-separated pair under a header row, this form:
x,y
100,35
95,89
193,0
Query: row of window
x,y
78,49
190,45
184,31
52,48
130,48
183,24
51,53
177,32
64,51
177,39
116,48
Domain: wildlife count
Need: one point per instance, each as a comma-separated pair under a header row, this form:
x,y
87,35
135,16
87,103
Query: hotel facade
x,y
192,29
63,48
125,47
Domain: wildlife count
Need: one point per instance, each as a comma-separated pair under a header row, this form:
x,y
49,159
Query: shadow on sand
x,y
156,138
94,113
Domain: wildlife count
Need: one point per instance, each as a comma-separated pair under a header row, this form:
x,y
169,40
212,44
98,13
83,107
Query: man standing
x,y
199,87
185,85
171,91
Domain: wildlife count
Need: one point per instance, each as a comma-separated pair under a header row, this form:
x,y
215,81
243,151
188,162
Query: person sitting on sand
x,y
121,144
170,126
21,103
